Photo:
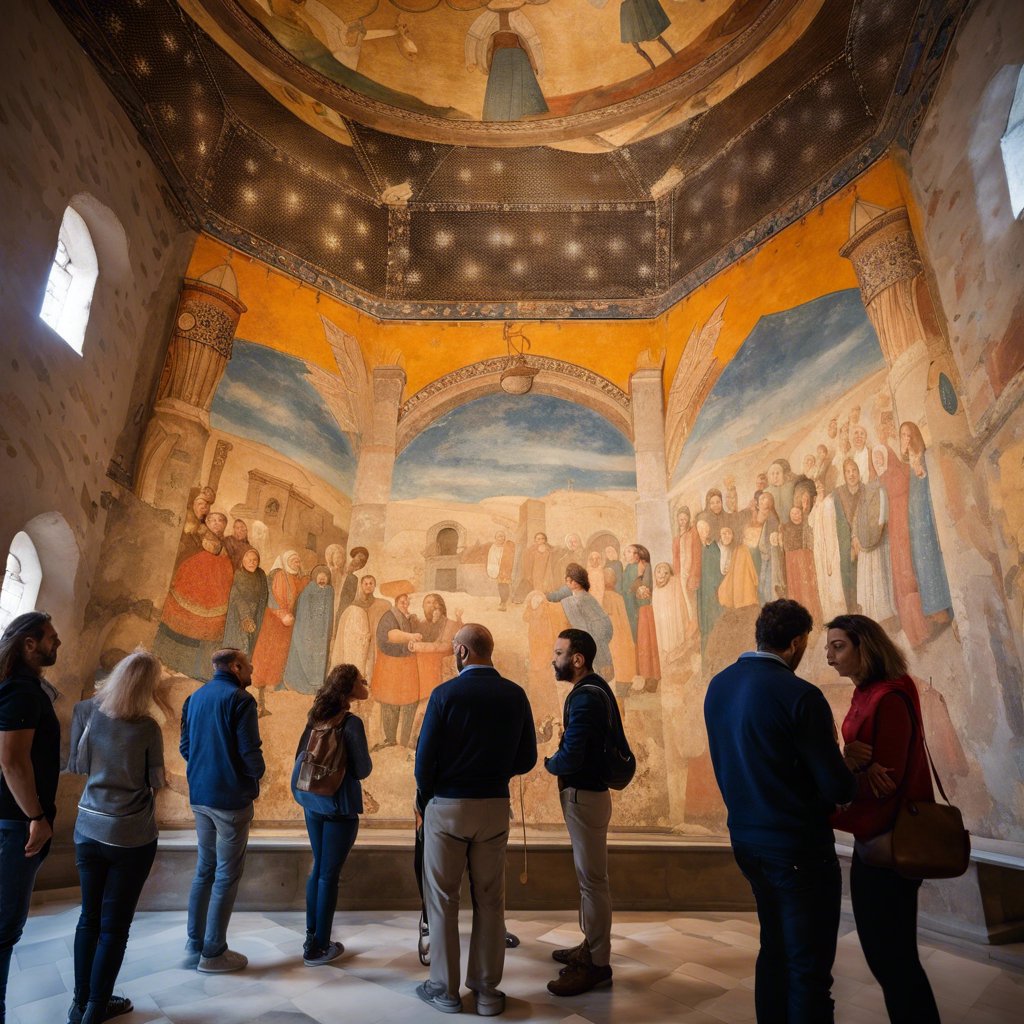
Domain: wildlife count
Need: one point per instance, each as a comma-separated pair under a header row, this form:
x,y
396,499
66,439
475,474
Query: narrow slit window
x,y
72,280
1012,144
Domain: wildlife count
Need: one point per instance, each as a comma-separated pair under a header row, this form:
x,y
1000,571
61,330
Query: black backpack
x,y
619,762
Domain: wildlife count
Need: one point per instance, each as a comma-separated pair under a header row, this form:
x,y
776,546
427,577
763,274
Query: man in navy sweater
x,y
779,768
477,733
220,741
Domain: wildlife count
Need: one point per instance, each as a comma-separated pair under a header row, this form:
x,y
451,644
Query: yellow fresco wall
x,y
285,314
797,265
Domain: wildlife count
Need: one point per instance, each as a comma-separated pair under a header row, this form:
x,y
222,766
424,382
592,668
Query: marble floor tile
x,y
689,968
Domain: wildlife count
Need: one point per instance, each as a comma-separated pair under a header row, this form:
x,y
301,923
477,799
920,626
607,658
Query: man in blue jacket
x,y
778,765
477,733
220,741
588,714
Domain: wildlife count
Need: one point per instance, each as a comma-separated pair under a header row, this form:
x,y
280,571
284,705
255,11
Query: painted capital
x,y
204,329
887,262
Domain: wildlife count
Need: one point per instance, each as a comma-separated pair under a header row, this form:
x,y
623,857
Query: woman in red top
x,y
885,747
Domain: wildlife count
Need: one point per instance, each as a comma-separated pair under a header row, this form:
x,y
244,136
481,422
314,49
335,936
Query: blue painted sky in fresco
x,y
266,397
505,445
791,362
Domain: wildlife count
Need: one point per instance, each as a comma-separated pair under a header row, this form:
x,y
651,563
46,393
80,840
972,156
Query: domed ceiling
x,y
499,158
578,74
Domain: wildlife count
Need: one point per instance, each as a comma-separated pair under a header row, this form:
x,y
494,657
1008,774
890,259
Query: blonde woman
x,y
116,743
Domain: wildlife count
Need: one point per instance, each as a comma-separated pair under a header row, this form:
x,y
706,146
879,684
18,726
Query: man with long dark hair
x,y
29,769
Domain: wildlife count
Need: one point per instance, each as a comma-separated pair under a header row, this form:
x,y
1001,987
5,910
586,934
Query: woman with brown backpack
x,y
330,761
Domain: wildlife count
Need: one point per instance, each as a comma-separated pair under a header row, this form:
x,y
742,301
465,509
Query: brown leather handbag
x,y
927,839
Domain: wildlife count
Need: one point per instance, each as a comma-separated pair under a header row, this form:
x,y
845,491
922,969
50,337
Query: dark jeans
x,y
17,876
112,878
331,839
798,899
885,909
223,837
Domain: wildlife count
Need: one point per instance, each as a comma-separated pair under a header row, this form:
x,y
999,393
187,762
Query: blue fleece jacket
x,y
220,740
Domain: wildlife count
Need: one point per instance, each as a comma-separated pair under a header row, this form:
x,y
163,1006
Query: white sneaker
x,y
228,961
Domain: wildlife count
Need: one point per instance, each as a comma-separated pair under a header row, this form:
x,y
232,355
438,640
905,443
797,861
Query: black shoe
x,y
571,956
117,1006
578,978
511,941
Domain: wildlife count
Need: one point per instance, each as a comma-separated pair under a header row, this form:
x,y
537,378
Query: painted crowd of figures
x,y
293,623
854,532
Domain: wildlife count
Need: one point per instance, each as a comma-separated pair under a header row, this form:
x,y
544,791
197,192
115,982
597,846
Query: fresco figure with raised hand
x,y
584,612
247,604
195,611
396,683
311,636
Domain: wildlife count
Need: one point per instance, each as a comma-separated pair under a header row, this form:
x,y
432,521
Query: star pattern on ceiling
x,y
407,228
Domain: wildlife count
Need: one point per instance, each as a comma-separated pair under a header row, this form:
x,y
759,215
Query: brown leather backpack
x,y
322,764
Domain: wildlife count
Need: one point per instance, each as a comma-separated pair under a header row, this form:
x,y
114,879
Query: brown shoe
x,y
568,956
578,978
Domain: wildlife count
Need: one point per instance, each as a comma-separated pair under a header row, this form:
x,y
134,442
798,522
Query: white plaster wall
x,y
63,134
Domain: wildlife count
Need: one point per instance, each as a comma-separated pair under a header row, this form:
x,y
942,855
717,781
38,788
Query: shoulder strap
x,y
915,727
604,698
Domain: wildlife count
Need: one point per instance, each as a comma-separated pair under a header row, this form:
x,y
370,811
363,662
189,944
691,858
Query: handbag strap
x,y
915,727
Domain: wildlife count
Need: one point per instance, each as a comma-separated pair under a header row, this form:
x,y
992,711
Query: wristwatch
x,y
39,816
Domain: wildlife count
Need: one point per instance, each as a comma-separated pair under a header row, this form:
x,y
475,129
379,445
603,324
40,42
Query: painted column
x,y
653,529
376,465
179,428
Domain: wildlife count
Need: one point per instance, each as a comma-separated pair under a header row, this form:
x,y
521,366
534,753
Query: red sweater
x,y
879,716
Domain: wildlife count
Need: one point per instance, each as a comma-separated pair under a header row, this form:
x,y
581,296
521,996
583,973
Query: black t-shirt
x,y
24,704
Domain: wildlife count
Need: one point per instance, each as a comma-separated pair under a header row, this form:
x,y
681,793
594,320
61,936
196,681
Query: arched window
x,y
22,578
1012,144
71,282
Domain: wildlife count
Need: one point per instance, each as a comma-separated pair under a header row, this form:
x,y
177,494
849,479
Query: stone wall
x,y
64,417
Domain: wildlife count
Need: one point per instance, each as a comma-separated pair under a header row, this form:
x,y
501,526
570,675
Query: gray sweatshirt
x,y
124,761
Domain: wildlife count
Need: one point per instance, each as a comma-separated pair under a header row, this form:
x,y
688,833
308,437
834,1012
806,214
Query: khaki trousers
x,y
586,816
457,834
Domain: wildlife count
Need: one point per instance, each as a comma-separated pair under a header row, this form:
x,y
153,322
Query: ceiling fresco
x,y
360,180
579,74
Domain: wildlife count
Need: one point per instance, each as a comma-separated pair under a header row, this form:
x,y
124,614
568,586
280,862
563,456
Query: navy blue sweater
x,y
220,740
579,761
776,758
477,733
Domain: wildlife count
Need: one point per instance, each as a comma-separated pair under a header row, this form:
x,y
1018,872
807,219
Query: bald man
x,y
477,733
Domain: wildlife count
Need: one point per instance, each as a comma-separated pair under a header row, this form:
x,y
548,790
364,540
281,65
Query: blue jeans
x,y
112,878
17,877
331,839
798,898
223,837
